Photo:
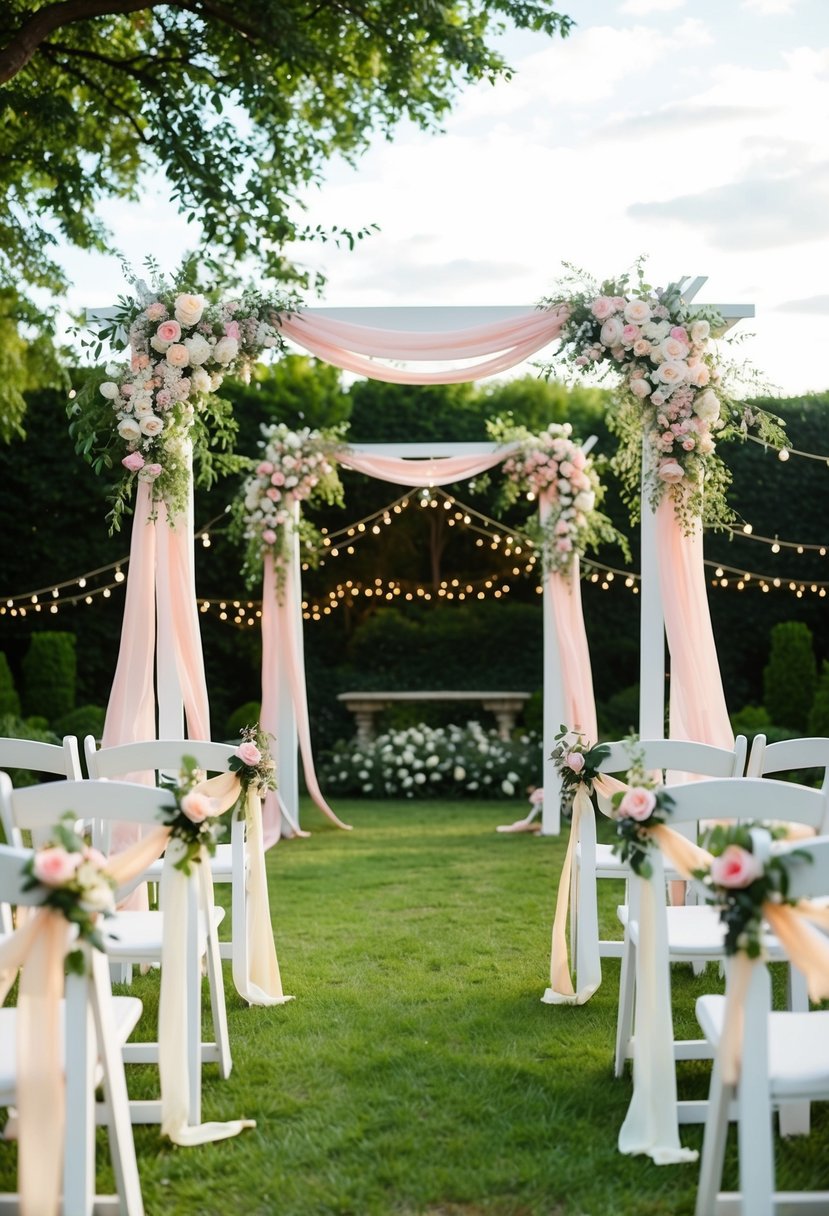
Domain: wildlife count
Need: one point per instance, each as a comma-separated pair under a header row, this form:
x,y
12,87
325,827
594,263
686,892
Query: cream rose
x,y
671,372
178,355
198,807
199,379
188,310
640,388
707,406
157,344
585,500
699,332
199,349
108,389
637,312
129,430
151,426
225,350
611,331
670,471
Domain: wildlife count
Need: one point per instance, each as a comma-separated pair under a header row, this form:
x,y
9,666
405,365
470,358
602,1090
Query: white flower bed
x,y
435,762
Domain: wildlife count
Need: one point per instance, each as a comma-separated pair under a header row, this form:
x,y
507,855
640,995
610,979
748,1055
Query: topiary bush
x,y
246,715
82,721
50,670
9,699
790,676
12,726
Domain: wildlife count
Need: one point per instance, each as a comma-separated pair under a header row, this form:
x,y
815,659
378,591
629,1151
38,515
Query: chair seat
x,y
695,931
221,866
798,1047
126,1013
137,936
608,865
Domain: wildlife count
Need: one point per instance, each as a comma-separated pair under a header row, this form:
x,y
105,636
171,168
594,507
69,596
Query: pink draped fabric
x,y
440,471
176,597
355,347
698,709
282,659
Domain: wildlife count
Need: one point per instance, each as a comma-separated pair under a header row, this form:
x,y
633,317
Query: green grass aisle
x,y
417,1072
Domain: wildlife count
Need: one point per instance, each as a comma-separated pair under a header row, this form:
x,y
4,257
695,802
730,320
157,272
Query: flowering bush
x,y
296,466
140,415
553,464
742,876
672,388
577,763
643,805
427,762
74,882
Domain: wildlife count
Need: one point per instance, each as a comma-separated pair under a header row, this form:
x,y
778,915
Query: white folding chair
x,y
160,756
695,932
96,1026
60,760
136,937
784,1057
665,755
791,756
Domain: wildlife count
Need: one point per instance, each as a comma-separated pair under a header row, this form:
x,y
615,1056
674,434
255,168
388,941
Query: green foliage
x,y
49,675
82,721
9,699
819,713
12,726
245,715
618,715
790,676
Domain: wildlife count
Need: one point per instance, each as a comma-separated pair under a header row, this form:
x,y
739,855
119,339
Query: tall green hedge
x,y
9,699
50,671
790,676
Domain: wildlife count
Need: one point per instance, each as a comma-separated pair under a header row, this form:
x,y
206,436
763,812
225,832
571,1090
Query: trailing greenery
x,y
417,1071
49,675
790,676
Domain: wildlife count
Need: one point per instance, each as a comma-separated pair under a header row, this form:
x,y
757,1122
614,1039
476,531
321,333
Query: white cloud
x,y
643,8
770,8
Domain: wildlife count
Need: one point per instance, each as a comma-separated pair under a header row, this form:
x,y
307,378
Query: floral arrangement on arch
x,y
552,463
673,388
138,418
744,874
577,762
295,467
75,883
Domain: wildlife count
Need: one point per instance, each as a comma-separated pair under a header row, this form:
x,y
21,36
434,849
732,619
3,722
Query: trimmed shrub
x,y
819,713
81,721
9,700
790,676
12,726
246,715
49,675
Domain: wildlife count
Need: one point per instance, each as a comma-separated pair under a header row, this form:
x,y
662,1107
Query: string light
x,y
786,452
746,532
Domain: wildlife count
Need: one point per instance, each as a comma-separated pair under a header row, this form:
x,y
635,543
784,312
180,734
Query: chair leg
x,y
713,1146
575,875
795,1117
624,1017
218,1005
79,1154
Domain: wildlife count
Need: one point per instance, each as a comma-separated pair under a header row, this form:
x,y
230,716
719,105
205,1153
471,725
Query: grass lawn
x,y
417,1073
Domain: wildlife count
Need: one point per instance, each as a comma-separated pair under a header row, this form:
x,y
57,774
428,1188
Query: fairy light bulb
x,y
783,454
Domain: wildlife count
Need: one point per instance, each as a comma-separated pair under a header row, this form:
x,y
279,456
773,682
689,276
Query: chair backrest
x,y
61,760
789,756
154,755
678,755
12,861
807,862
748,798
39,807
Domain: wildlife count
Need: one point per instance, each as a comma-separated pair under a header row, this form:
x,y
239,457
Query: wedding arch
x,y
161,585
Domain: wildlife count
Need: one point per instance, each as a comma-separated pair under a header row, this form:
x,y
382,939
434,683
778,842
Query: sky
x,y
693,132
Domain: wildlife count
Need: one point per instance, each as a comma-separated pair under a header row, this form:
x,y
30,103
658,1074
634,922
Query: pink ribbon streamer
x,y
441,471
355,347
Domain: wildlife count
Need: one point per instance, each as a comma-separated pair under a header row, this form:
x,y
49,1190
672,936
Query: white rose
x,y
109,390
199,349
671,372
216,379
143,407
699,375
199,379
611,331
707,406
225,350
585,500
178,355
637,312
699,332
151,425
157,344
671,348
188,310
129,430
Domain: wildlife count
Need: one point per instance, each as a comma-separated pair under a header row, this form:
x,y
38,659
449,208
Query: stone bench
x,y
364,705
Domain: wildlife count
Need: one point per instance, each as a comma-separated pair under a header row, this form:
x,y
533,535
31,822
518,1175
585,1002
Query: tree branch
x,y
73,70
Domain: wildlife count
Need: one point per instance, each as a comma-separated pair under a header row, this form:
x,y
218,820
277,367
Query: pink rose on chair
x,y
248,753
55,867
198,807
736,867
574,761
638,803
670,471
133,462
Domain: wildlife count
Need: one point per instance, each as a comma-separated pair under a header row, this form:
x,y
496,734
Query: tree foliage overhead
x,y
238,104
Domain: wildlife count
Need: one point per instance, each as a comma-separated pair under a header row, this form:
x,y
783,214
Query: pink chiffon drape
x,y
355,348
697,702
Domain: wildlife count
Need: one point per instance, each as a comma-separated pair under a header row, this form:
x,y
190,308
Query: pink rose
x,y
689,444
198,807
602,308
574,761
169,331
151,471
670,471
232,330
156,311
680,333
264,469
630,333
55,867
736,867
163,398
269,536
611,331
638,803
564,544
94,857
273,494
277,478
133,462
248,753
640,388
139,362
